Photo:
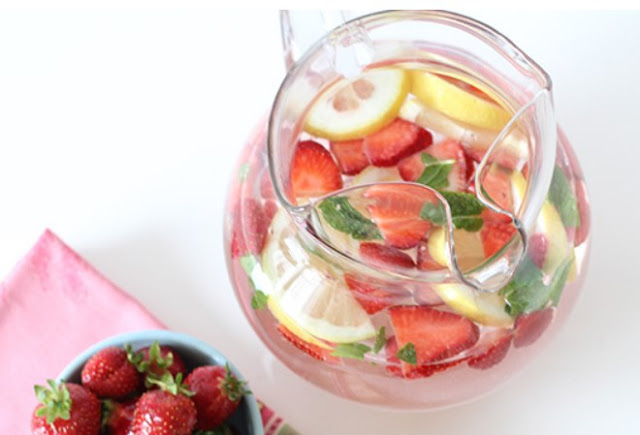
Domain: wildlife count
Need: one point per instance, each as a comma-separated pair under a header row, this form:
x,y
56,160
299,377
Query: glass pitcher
x,y
409,226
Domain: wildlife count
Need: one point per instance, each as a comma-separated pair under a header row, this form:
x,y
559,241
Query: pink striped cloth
x,y
54,305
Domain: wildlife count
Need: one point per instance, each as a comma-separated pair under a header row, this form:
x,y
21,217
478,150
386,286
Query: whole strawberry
x,y
68,409
109,374
156,360
117,417
216,394
166,410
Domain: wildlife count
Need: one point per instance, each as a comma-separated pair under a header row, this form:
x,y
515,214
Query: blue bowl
x,y
194,352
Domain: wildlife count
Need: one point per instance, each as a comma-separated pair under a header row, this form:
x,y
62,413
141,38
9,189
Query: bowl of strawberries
x,y
147,383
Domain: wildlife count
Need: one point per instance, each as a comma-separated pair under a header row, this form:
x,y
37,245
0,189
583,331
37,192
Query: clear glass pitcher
x,y
409,219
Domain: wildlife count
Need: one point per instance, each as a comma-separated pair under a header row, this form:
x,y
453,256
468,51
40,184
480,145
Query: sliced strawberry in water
x,y
372,296
385,256
266,186
435,334
350,155
537,250
251,226
313,171
312,350
396,141
492,348
396,211
452,150
529,327
495,235
411,167
424,259
496,183
399,368
502,157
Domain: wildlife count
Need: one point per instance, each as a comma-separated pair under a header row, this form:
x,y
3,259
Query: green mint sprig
x,y
341,215
435,172
465,211
407,353
561,195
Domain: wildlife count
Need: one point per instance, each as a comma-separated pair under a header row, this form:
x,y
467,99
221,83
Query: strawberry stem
x,y
56,401
232,387
168,383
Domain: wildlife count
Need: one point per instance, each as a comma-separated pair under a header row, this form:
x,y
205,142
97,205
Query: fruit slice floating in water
x,y
350,155
529,327
492,349
374,174
352,110
484,308
400,139
449,98
313,171
307,296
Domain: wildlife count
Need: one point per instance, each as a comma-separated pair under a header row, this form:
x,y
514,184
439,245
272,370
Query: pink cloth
x,y
53,306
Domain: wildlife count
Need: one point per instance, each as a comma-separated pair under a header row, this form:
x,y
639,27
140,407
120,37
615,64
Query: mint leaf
x,y
259,300
381,340
559,280
343,217
434,213
248,262
407,354
435,172
526,292
351,350
561,195
465,211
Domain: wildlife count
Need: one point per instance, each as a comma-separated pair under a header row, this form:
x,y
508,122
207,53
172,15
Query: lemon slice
x,y
308,296
456,102
549,223
353,109
484,308
375,174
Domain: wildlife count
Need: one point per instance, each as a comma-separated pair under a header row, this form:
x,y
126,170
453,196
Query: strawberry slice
x,y
373,297
251,226
313,171
400,139
529,327
398,368
495,235
350,155
496,183
396,211
381,255
492,348
424,259
412,167
312,350
436,335
537,250
500,156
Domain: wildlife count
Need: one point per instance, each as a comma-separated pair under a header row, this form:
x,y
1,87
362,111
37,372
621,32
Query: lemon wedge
x,y
469,249
456,102
308,296
354,109
549,223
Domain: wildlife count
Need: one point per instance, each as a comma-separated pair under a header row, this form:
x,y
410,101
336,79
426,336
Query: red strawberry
x,y
435,335
501,156
372,296
312,350
400,139
424,259
529,327
497,185
313,171
217,394
117,416
109,374
157,360
165,411
492,349
495,236
538,245
381,255
396,209
350,155
65,409
266,186
252,221
410,168
583,209
401,369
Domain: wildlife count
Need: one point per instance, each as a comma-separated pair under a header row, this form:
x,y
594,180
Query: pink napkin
x,y
53,306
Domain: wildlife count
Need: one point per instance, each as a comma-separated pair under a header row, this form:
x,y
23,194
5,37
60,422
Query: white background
x,y
119,130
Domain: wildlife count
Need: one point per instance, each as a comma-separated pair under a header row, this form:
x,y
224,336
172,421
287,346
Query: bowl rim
x,y
169,338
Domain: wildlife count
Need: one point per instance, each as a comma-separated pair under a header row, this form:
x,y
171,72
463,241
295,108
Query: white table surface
x,y
119,131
